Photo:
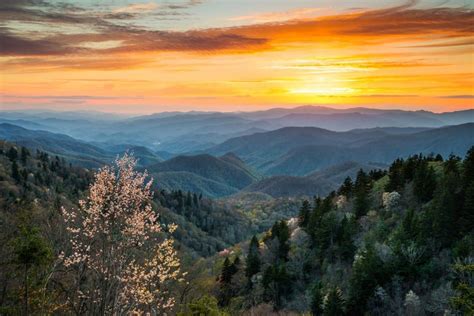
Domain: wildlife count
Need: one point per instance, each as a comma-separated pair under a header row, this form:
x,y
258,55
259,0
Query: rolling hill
x,y
317,183
213,176
75,151
302,150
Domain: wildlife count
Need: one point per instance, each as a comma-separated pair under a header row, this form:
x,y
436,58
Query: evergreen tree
x,y
368,272
316,299
344,238
30,250
281,231
468,167
189,200
346,188
305,211
277,283
424,182
334,305
361,189
12,153
466,217
225,279
447,204
253,259
15,172
396,179
24,154
195,200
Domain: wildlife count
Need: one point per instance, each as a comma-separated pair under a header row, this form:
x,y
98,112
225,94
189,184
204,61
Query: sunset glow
x,y
151,56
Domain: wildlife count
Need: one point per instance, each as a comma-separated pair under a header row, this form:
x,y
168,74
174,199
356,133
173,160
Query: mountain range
x,y
278,152
183,132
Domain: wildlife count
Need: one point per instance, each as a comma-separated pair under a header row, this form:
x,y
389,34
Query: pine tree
x,y
396,179
253,259
281,231
305,211
346,188
15,172
195,200
24,154
225,280
30,250
368,271
12,154
361,189
316,299
424,182
334,305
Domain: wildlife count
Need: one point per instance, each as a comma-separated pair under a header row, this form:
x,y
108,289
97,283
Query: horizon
x,y
156,56
196,111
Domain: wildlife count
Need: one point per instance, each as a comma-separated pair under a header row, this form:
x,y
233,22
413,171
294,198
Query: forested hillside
x,y
35,186
399,242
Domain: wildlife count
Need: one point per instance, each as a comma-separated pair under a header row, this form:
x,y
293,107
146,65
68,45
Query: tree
x,y
447,204
344,237
316,299
361,193
24,154
277,283
206,305
15,172
12,153
396,179
30,249
424,182
304,214
225,280
346,188
253,259
334,303
466,217
281,231
368,272
463,301
120,259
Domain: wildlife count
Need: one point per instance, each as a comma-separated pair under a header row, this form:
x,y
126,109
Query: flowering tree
x,y
121,259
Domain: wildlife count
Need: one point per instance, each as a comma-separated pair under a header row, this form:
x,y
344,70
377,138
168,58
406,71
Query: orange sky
x,y
408,55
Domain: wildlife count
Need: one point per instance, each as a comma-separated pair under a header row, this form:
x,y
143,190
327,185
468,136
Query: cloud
x,y
277,16
137,7
402,24
461,96
11,45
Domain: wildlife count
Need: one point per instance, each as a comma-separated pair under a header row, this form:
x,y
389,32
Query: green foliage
x,y
361,191
281,232
316,299
204,306
277,283
253,259
424,182
30,248
304,213
346,188
334,305
463,301
368,272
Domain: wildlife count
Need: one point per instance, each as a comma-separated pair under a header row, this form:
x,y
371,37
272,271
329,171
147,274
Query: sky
x,y
225,55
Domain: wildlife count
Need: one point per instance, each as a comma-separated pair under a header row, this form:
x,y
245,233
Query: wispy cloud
x,y
400,23
461,96
278,16
137,8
